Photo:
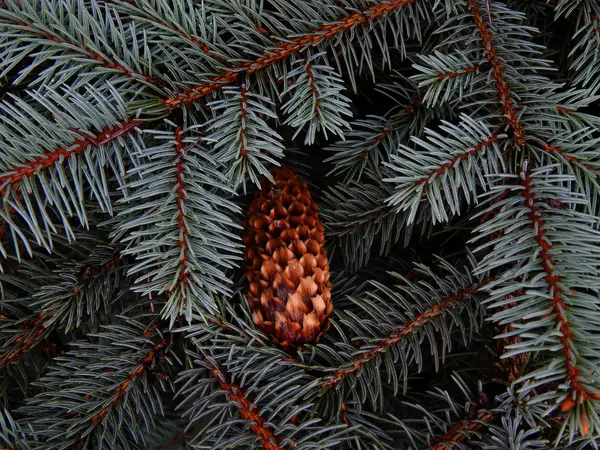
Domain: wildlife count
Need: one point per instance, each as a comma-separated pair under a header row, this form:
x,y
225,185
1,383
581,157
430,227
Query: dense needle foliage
x,y
453,149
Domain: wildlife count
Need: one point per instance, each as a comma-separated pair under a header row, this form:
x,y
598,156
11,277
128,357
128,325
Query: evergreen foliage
x,y
453,148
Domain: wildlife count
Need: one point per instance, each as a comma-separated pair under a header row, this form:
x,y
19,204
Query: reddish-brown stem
x,y
410,110
313,89
506,103
181,201
247,410
375,142
407,329
468,70
50,158
85,51
448,165
243,114
34,328
284,51
201,45
27,338
456,433
120,391
570,158
559,307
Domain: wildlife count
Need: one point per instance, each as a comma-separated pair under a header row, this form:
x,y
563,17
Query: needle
x,y
489,10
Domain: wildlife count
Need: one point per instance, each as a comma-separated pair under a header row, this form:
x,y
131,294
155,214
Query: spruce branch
x,y
243,141
446,77
178,223
76,407
177,24
445,169
442,420
316,98
326,32
410,312
585,53
247,410
505,99
47,29
272,411
577,152
60,299
12,436
46,174
372,140
354,214
548,253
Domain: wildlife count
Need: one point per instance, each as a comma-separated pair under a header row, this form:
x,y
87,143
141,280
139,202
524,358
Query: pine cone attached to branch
x,y
288,270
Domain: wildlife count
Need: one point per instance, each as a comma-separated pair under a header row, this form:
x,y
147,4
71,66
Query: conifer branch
x,y
121,390
372,140
68,35
164,20
60,300
34,330
458,431
510,110
70,45
573,159
578,391
316,98
586,51
559,270
446,75
355,213
77,408
68,123
445,169
62,153
248,411
243,140
178,224
294,45
410,327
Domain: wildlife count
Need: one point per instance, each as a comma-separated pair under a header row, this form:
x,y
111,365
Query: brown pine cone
x,y
288,270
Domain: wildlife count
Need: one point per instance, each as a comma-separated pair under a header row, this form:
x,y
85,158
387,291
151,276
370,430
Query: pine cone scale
x,y
288,269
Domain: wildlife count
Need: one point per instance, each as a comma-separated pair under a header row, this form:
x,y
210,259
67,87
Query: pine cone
x,y
288,270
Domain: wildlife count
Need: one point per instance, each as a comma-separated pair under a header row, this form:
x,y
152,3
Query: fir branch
x,y
294,45
441,419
